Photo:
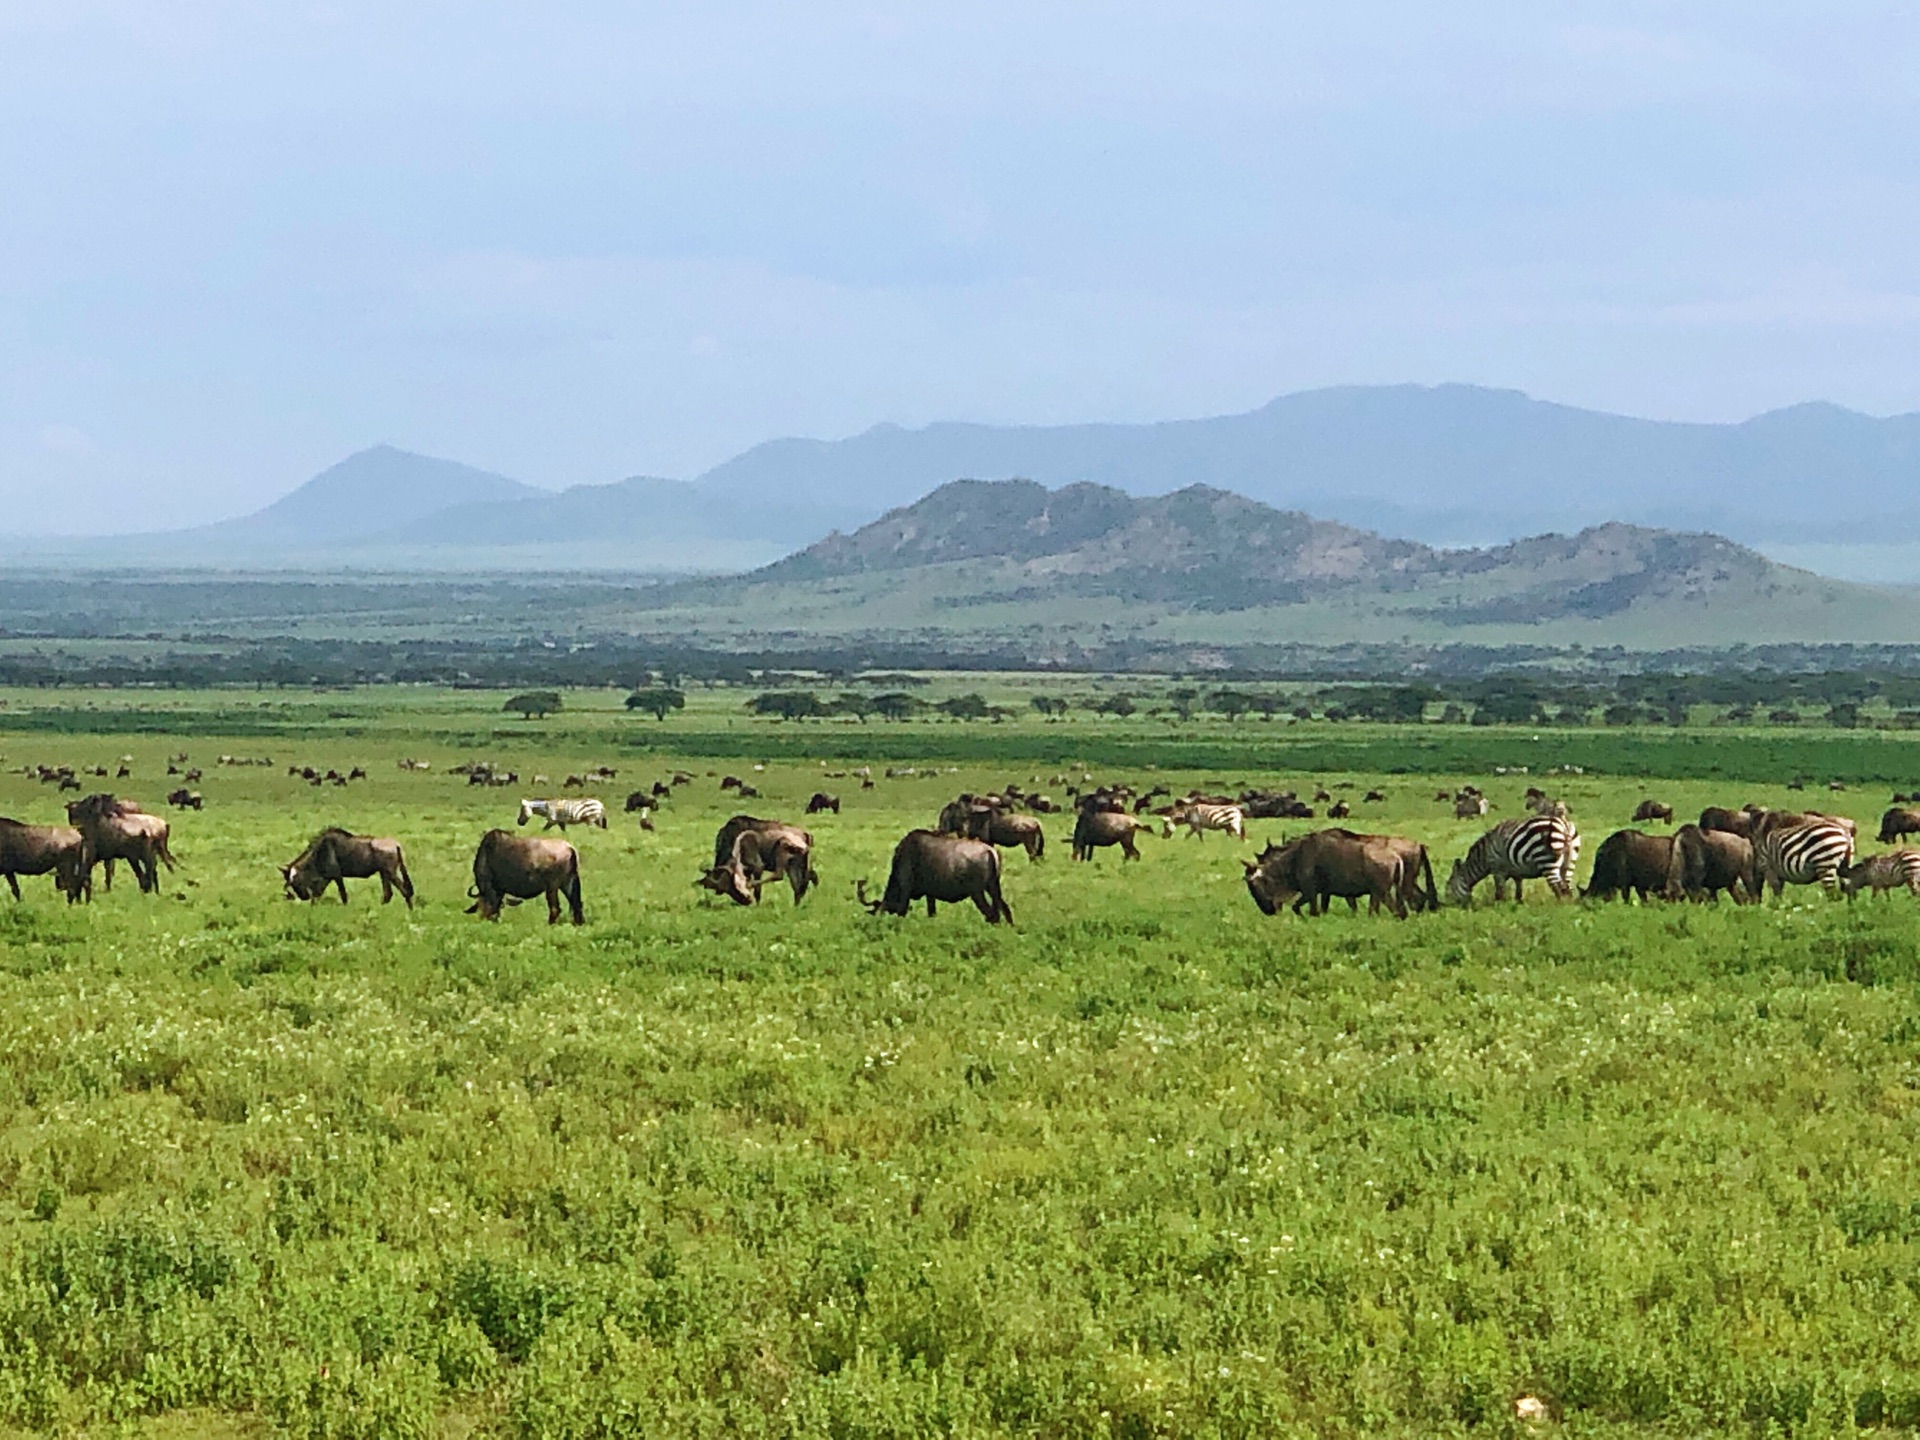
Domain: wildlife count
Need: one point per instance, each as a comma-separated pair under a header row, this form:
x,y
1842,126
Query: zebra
x,y
1800,850
1200,818
564,812
1541,847
1881,873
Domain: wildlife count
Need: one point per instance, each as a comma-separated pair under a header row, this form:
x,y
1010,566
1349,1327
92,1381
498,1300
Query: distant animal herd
x,y
1741,853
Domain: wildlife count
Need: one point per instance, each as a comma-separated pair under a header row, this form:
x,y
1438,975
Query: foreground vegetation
x,y
1148,1164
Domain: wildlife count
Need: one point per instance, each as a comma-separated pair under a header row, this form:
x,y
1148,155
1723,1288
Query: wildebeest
x,y
1096,828
184,799
997,827
748,851
336,856
1732,822
1326,865
509,868
1469,807
1653,810
41,850
1899,823
820,801
1705,862
1882,873
112,829
934,867
1629,861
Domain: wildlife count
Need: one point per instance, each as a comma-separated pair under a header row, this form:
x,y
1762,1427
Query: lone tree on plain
x,y
533,705
657,700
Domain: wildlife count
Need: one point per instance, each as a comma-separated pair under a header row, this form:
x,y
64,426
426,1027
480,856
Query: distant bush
x,y
657,700
533,705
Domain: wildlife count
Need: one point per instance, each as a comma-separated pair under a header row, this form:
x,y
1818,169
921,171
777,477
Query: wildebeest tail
x,y
1425,877
572,892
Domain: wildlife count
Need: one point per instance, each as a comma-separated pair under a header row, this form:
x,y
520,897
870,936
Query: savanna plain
x,y
1146,1163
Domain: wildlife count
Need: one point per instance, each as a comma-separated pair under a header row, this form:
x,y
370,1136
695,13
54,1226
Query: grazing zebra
x,y
1881,873
564,812
1542,847
1803,849
1200,818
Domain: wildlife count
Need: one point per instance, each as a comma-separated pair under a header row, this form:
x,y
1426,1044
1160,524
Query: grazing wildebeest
x,y
113,830
1882,873
184,799
1469,807
1653,810
1732,822
934,867
1897,824
747,852
1097,828
1325,865
642,799
509,868
41,850
1705,862
997,827
1630,861
336,856
820,801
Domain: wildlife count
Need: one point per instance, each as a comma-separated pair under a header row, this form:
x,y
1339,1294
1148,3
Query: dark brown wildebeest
x,y
1008,832
1705,862
1629,860
113,830
1653,810
41,850
748,852
641,800
184,799
336,856
509,868
1897,824
1339,810
1376,797
1731,822
1469,806
1317,868
934,867
820,801
1097,828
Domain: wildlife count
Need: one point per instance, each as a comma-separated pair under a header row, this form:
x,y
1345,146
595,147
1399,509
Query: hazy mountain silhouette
x,y
1443,463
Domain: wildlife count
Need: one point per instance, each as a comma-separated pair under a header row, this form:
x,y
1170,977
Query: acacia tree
x,y
533,704
657,700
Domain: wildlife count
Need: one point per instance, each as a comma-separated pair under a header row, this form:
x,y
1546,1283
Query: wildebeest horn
x,y
1251,868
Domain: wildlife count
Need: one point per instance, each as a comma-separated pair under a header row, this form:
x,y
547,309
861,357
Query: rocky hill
x,y
1016,557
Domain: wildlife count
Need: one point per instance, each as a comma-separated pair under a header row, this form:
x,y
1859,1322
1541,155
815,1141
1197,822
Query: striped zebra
x,y
1881,873
1200,818
1542,847
1800,849
564,812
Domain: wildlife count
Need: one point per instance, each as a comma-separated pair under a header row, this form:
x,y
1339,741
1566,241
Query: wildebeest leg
x,y
108,887
1128,849
553,905
340,884
386,888
13,884
929,906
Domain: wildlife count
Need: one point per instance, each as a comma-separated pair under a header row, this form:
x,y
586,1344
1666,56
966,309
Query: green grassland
x,y
1148,1163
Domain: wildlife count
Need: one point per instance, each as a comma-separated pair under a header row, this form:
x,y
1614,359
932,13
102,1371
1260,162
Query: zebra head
x,y
1459,887
528,809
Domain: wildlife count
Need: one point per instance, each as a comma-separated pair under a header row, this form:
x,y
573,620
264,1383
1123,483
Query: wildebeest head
x,y
730,881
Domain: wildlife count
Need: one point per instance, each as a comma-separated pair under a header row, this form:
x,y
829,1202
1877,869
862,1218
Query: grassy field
x,y
1147,1164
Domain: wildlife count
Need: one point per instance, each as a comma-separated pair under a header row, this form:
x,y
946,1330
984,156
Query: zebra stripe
x,y
1880,873
1198,818
1812,852
564,812
1542,847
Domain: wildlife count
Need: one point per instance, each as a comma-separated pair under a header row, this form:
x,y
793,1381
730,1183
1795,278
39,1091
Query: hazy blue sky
x,y
577,242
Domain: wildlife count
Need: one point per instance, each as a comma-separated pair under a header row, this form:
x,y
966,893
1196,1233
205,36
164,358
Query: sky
x,y
576,242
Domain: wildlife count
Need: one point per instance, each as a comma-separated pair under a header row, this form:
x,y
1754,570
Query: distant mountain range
x,y
1084,566
1451,464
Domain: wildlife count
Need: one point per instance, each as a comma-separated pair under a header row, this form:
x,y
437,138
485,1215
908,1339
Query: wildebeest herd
x,y
1741,853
